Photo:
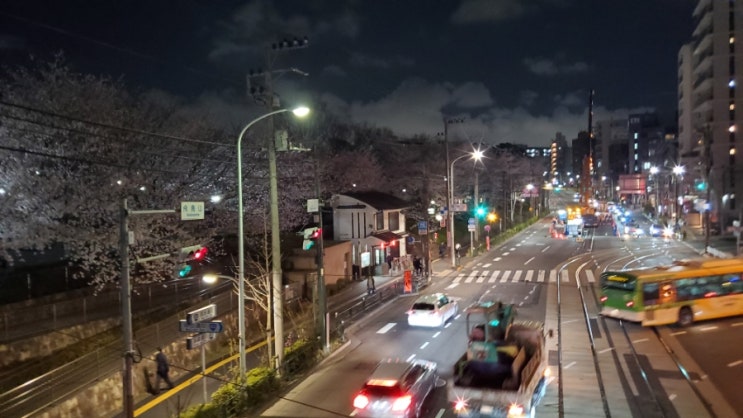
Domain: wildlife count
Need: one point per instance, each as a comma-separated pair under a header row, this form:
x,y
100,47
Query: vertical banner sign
x,y
408,281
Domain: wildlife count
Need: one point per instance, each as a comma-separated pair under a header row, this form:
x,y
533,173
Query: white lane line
x,y
569,365
436,334
512,249
458,278
494,276
671,396
678,333
540,276
605,350
412,356
481,278
386,328
440,413
529,261
486,265
505,275
553,275
590,276
518,245
708,328
641,340
738,324
452,286
546,248
529,274
497,259
425,344
471,277
506,253
565,276
516,276
735,363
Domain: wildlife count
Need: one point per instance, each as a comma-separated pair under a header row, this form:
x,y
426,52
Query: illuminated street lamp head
x,y
679,169
478,154
653,170
209,278
529,186
301,111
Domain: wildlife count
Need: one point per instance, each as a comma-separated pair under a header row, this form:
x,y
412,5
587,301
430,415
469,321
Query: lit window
x,y
731,128
635,135
732,106
731,83
635,160
732,39
732,151
635,145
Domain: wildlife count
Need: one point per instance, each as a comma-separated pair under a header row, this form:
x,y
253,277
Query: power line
x,y
84,160
104,125
116,47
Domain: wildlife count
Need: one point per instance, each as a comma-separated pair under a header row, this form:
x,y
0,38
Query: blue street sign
x,y
422,227
210,327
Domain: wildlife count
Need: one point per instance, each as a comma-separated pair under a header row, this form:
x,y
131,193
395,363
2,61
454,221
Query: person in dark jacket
x,y
163,368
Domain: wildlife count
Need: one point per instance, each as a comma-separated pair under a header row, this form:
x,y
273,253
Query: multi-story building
x,y
563,158
709,118
646,142
606,134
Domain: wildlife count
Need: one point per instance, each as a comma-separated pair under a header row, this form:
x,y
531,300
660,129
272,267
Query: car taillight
x,y
402,403
603,298
630,303
360,401
515,410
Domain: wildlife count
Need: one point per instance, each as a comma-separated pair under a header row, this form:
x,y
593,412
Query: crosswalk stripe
x,y
481,277
471,277
494,276
553,276
516,276
528,275
459,278
589,275
504,277
565,276
540,276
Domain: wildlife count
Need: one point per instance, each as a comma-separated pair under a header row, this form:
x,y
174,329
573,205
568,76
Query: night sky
x,y
516,70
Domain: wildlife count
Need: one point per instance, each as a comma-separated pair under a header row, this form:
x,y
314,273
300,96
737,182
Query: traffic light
x,y
492,217
188,257
700,185
480,211
311,236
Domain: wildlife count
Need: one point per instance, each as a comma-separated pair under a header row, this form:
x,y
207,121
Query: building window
x,y
731,128
394,221
635,145
380,220
731,83
635,158
635,135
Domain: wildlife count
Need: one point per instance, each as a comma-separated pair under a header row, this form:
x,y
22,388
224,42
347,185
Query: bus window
x,y
617,281
667,293
650,294
732,284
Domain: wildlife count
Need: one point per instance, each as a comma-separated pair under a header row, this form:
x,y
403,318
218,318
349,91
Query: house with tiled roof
x,y
374,222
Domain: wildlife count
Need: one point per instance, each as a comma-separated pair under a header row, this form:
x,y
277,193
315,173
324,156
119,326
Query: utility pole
x,y
449,219
322,319
271,102
708,186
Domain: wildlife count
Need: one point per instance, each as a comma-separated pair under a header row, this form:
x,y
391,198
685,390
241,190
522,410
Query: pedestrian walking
x,y
163,368
417,266
370,286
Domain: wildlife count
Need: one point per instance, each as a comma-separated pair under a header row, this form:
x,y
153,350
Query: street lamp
x,y
477,156
654,171
678,171
299,112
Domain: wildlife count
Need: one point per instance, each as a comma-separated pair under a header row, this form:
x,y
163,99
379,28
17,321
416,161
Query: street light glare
x,y
209,278
301,111
478,154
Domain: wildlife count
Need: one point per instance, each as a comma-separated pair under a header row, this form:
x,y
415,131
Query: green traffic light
x,y
480,211
184,271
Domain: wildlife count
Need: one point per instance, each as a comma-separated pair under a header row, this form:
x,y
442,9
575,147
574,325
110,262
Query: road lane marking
x,y
471,277
412,356
735,363
425,344
452,286
708,328
569,365
738,324
386,328
605,350
516,276
540,276
678,333
441,413
506,253
565,276
528,261
546,248
590,276
436,334
512,249
671,396
641,340
481,278
497,259
494,276
505,275
553,275
486,265
529,274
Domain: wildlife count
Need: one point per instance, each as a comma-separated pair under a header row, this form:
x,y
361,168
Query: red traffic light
x,y
200,254
317,233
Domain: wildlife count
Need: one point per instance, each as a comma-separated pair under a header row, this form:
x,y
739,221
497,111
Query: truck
x,y
504,371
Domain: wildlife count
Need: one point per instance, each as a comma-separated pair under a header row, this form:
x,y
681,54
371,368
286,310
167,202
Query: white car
x,y
432,310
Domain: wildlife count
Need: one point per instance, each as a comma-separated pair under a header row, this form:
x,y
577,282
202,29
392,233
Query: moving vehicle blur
x,y
396,389
432,310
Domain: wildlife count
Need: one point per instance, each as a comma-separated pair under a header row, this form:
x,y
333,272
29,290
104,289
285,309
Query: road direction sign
x,y
204,314
471,224
211,327
422,227
191,211
199,339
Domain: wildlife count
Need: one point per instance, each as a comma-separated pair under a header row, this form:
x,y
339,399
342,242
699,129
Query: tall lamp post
x,y
299,112
678,172
477,156
654,171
